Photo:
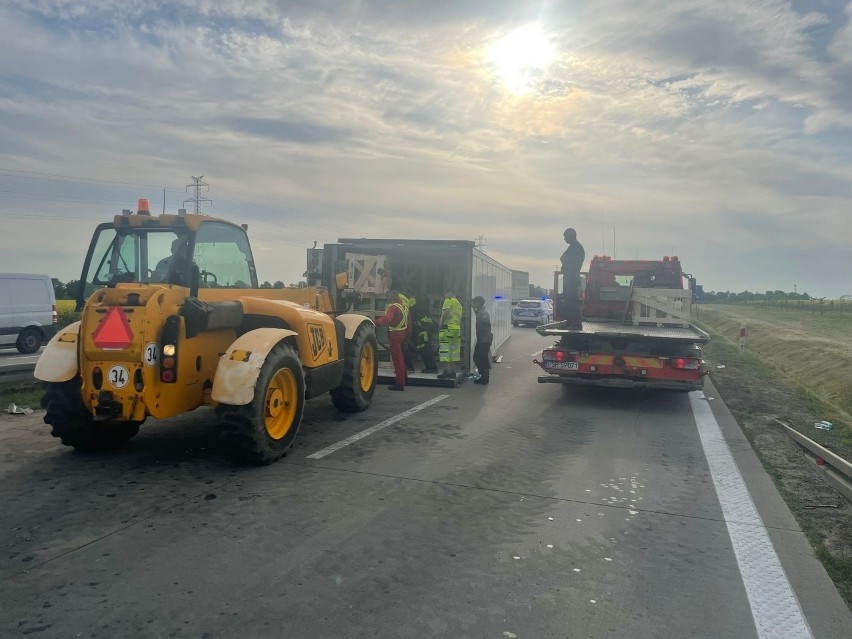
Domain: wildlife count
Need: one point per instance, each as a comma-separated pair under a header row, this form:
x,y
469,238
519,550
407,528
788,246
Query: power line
x,y
198,186
292,219
71,179
31,216
76,161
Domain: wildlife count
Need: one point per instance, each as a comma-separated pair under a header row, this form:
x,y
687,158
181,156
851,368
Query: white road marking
x,y
774,607
366,433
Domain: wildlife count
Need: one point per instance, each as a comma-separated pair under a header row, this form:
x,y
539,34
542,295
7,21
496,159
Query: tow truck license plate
x,y
570,366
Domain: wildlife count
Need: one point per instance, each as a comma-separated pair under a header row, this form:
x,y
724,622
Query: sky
x,y
719,131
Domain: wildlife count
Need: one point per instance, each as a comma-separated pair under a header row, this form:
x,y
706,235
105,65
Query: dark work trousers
x,y
409,351
571,308
428,357
397,344
482,359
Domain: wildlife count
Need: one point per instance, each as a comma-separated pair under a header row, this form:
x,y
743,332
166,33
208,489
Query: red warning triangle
x,y
114,330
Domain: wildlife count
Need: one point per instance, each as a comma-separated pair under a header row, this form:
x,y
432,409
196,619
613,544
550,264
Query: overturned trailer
x,y
426,268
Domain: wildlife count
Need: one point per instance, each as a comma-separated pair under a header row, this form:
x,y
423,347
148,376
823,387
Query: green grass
x,y
66,313
839,568
757,364
812,354
24,394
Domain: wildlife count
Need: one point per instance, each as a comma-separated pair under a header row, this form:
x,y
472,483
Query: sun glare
x,y
521,56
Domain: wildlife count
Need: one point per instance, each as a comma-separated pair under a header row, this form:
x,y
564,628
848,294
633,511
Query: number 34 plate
x,y
118,376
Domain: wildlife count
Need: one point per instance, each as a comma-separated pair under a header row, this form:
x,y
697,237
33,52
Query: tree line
x,y
69,290
747,296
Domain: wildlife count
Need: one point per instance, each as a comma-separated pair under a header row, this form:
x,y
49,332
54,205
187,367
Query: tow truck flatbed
x,y
615,330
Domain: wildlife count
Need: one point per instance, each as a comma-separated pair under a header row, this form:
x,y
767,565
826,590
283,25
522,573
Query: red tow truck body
x,y
637,329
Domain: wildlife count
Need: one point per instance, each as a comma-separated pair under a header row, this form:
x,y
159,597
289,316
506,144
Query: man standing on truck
x,y
572,261
396,319
484,337
449,335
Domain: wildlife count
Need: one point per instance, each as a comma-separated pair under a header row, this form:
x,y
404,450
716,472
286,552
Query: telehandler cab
x,y
173,319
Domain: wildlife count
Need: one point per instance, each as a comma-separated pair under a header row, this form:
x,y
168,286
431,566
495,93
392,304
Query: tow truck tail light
x,y
684,363
558,356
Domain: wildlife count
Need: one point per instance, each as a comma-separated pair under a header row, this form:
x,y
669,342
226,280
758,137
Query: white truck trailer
x,y
426,268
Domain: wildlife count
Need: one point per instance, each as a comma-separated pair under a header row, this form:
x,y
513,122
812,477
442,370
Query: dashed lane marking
x,y
369,431
774,607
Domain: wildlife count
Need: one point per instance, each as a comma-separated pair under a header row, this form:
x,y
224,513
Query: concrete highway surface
x,y
513,510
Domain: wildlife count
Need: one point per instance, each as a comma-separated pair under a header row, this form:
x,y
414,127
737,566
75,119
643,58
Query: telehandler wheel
x,y
29,341
74,425
360,372
262,431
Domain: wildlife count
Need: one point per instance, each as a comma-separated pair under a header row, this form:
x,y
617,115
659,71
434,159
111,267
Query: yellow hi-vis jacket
x,y
403,312
454,316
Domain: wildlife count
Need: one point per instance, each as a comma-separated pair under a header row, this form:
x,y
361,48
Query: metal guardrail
x,y
837,470
17,373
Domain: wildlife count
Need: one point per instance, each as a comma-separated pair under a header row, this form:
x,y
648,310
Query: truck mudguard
x,y
58,362
239,367
351,321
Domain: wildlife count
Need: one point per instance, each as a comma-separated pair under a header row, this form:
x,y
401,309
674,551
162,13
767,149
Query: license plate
x,y
525,313
568,366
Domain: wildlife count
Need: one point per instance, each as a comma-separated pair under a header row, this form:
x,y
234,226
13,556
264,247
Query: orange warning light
x,y
143,207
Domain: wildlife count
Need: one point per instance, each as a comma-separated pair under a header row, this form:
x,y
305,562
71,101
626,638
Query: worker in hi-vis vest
x,y
396,319
449,335
422,332
409,300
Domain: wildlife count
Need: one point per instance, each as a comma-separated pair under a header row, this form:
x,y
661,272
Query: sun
x,y
521,56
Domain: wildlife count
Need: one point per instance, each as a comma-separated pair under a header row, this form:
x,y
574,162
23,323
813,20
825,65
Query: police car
x,y
536,312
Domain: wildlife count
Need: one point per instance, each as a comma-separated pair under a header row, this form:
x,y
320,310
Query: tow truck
x,y
637,329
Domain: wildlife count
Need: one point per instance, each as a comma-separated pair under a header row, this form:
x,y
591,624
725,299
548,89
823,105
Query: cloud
x,y
676,123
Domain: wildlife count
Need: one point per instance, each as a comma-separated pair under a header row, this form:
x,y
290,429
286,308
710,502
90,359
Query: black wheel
x,y
360,372
74,425
516,324
29,340
262,431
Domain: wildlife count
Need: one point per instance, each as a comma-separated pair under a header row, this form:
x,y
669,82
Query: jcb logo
x,y
318,339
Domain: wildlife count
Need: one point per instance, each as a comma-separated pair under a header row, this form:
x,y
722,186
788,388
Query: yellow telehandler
x,y
173,319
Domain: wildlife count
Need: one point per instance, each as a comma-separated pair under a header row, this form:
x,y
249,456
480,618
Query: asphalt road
x,y
516,509
11,356
15,367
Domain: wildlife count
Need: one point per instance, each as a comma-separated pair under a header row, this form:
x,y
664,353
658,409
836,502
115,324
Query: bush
x,y
66,316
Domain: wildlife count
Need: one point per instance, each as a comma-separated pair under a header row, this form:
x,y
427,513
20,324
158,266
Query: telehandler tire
x,y
264,430
360,372
75,426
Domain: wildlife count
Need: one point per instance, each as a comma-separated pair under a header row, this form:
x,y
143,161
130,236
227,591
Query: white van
x,y
27,311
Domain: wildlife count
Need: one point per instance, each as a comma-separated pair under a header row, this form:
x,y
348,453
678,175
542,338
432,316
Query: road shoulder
x,y
822,605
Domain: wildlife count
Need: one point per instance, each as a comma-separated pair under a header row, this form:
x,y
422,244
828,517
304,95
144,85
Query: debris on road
x,y
824,425
14,409
720,366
